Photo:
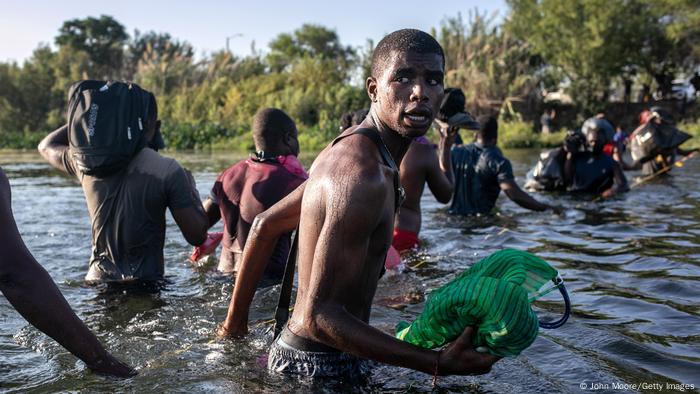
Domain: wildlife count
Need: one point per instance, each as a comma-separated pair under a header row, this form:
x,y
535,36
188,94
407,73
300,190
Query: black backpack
x,y
106,125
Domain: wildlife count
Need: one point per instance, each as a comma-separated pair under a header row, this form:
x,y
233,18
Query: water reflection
x,y
632,267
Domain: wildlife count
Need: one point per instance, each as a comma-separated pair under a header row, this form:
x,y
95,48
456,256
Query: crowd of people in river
x,y
358,204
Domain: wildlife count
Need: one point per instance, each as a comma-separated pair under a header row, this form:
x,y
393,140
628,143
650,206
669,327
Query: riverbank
x,y
516,134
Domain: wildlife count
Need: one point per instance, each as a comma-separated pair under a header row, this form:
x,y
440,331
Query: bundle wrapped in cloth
x,y
493,295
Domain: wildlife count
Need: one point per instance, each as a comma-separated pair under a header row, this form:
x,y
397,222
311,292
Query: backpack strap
x,y
285,298
284,301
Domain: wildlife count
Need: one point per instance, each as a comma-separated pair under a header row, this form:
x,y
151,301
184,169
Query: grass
x,y
518,134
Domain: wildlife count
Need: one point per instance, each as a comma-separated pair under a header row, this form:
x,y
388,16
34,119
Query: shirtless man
x,y
345,212
31,291
251,186
422,164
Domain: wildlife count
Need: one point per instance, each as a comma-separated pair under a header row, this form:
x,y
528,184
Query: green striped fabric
x,y
493,295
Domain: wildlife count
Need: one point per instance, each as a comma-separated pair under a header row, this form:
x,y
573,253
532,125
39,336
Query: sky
x,y
206,24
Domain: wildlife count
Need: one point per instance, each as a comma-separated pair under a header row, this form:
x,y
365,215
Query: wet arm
x,y
267,228
620,182
53,146
30,290
188,212
568,168
211,209
338,272
440,177
520,197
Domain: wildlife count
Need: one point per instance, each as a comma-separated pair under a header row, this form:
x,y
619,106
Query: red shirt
x,y
246,189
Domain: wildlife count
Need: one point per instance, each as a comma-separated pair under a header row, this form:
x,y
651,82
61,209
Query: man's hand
x,y
208,247
225,330
110,365
557,209
460,358
608,193
445,130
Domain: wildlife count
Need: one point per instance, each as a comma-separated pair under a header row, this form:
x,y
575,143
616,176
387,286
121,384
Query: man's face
x,y
408,92
594,140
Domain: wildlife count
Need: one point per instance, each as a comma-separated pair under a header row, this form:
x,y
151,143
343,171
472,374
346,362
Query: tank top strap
x,y
399,193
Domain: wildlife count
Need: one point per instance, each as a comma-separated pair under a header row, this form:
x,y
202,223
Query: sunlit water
x,y
631,264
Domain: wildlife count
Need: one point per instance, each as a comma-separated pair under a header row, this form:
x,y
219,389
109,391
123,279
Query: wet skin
x,y
30,290
421,165
346,215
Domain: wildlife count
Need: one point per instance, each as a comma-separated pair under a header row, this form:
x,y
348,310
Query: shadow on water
x,y
631,264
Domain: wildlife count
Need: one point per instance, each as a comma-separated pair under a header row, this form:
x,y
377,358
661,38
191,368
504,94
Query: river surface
x,y
631,264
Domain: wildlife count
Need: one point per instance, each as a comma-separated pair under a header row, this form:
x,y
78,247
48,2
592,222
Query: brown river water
x,y
631,264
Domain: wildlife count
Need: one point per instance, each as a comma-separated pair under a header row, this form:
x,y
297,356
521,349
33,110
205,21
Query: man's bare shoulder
x,y
352,165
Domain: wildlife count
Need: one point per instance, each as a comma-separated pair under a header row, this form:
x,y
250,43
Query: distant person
x,y
591,170
481,173
251,186
345,213
547,121
30,290
127,207
422,164
609,129
668,138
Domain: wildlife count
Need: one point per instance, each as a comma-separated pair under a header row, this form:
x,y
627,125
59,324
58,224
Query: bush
x,y
519,134
692,128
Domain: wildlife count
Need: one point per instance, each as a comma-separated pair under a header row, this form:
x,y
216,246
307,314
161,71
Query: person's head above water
x,y
275,133
597,132
488,130
406,85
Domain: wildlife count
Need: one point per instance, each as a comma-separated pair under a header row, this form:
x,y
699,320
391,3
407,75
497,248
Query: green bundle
x,y
495,295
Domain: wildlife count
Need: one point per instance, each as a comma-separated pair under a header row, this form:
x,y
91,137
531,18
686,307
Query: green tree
x,y
103,39
490,65
591,42
152,46
309,40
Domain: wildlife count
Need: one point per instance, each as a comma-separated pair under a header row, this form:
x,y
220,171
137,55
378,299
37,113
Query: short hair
x,y
270,125
359,116
404,40
452,103
488,128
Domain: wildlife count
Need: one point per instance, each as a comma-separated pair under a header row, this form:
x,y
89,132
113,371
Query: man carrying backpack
x,y
110,143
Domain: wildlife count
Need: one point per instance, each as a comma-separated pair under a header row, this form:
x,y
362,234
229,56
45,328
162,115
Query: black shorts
x,y
313,360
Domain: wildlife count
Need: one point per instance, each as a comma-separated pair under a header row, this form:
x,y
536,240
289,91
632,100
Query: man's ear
x,y
371,86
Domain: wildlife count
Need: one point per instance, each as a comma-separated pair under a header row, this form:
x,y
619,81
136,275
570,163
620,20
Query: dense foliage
x,y
588,47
